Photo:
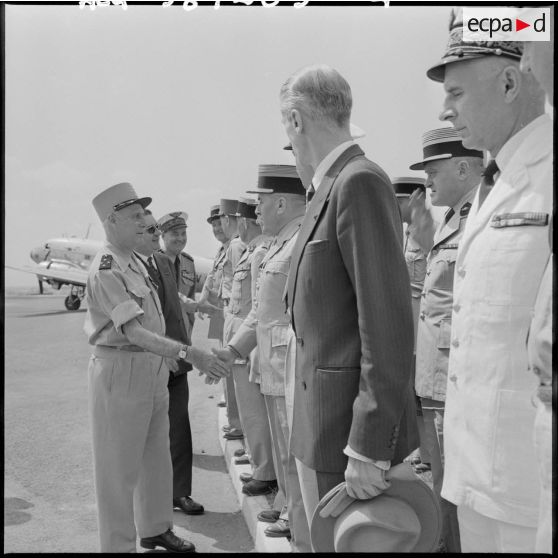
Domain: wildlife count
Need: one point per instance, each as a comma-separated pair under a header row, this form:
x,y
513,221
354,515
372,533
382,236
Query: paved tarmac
x,y
49,500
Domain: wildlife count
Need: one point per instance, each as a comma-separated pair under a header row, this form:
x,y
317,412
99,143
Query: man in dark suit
x,y
349,297
161,269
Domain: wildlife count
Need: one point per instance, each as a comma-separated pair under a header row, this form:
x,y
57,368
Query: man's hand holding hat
x,y
364,479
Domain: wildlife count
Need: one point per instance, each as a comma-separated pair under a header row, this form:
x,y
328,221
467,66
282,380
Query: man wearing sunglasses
x,y
162,272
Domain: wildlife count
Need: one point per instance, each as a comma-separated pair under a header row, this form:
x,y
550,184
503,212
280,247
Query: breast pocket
x,y
316,246
138,293
278,353
443,269
416,265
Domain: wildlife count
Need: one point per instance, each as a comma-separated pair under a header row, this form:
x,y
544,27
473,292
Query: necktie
x,y
153,271
310,193
487,180
449,214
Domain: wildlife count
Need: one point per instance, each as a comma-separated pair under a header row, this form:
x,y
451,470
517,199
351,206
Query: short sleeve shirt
x,y
119,290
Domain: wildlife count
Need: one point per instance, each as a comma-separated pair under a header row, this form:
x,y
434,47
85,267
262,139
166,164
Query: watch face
x,y
182,354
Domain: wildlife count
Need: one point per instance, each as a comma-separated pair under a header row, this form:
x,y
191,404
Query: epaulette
x,y
106,262
187,256
465,209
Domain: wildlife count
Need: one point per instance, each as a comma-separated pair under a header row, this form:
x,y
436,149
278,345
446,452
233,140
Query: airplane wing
x,y
60,272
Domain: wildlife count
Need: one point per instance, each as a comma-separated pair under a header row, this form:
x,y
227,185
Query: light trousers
x,y
483,534
254,422
128,405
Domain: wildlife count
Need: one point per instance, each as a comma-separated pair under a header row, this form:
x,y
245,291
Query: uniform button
x,y
456,307
455,343
453,378
300,341
303,385
461,271
422,315
428,272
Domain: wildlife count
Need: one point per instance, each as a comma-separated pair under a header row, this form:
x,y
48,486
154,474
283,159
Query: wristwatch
x,y
183,353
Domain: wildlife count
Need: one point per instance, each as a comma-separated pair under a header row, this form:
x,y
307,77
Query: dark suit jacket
x,y
170,303
350,301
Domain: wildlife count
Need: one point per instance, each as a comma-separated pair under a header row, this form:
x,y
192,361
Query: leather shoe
x,y
269,516
187,505
234,434
245,477
169,541
239,452
279,529
243,460
422,467
221,404
226,427
258,487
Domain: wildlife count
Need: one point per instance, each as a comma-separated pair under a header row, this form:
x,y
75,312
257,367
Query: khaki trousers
x,y
128,405
254,422
543,449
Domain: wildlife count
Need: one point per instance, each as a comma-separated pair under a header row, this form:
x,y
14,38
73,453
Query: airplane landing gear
x,y
72,302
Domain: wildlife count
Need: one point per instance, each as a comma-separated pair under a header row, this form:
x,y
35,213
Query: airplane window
x,y
86,257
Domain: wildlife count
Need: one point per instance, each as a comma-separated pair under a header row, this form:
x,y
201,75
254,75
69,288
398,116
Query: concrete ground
x,y
49,500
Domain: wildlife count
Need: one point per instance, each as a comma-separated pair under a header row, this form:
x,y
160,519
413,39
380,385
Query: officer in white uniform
x,y
490,459
128,396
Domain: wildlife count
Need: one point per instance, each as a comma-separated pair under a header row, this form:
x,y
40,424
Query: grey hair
x,y
319,91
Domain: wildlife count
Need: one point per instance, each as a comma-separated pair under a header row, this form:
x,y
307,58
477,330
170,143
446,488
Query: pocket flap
x,y
444,335
279,335
140,291
531,218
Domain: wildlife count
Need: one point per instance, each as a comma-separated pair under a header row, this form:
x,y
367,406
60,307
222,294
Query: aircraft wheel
x,y
72,302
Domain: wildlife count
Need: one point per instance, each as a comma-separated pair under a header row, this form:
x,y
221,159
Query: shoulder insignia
x,y
465,209
106,262
187,256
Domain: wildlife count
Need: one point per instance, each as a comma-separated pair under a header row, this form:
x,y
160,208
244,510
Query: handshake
x,y
215,364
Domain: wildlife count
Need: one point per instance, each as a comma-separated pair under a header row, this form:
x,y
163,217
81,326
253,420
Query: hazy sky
x,y
184,105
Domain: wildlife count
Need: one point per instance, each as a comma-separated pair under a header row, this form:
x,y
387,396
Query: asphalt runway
x,y
49,500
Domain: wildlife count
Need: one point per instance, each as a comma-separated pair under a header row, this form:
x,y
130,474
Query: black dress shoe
x,y
234,434
221,404
239,452
269,516
169,541
279,529
258,487
187,505
226,427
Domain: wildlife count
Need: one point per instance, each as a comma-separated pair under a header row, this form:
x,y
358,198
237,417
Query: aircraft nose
x,y
36,255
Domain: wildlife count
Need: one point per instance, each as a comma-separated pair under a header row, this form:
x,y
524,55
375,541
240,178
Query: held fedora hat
x,y
404,518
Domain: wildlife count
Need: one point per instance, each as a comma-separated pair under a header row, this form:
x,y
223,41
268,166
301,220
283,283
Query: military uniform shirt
x,y
232,256
267,324
119,290
434,325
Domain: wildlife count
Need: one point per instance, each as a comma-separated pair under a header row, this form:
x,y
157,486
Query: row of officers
x,y
313,296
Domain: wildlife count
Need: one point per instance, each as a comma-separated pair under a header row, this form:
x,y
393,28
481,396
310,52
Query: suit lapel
x,y
313,212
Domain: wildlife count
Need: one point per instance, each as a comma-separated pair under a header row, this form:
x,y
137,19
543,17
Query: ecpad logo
x,y
506,24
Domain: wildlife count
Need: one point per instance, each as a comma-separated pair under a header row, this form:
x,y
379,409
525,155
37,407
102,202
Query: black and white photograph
x,y
278,276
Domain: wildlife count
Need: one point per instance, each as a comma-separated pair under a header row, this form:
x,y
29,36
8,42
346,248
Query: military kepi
x,y
278,179
174,220
457,50
213,213
443,143
247,208
228,207
117,197
404,186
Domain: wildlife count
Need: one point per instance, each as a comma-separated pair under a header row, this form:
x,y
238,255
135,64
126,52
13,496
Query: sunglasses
x,y
152,229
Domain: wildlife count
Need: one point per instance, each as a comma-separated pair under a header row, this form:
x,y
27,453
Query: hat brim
x,y
260,191
144,202
212,218
438,71
407,486
420,165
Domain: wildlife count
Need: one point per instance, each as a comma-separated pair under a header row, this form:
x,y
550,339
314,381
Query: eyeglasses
x,y
152,229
